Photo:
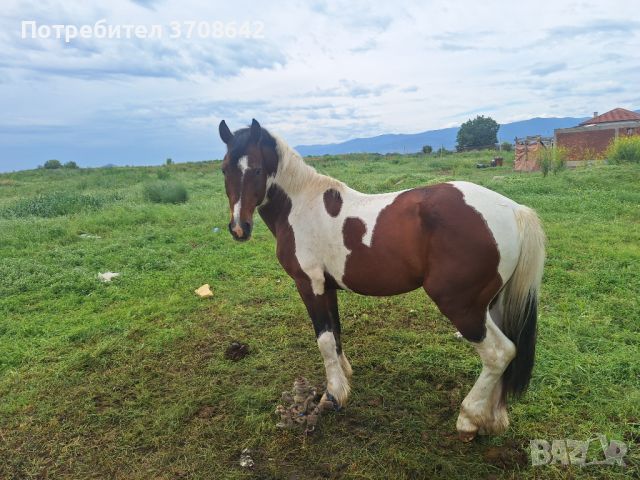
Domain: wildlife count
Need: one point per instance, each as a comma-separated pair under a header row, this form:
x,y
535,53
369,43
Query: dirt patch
x,y
236,351
206,412
507,457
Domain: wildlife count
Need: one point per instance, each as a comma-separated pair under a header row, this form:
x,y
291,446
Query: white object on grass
x,y
107,276
245,459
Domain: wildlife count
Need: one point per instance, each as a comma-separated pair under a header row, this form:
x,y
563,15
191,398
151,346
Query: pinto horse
x,y
476,253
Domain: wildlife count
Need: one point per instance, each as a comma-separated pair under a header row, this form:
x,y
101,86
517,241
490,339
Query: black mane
x,y
241,140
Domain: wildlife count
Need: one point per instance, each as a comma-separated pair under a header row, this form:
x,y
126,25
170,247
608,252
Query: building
x,y
590,139
528,152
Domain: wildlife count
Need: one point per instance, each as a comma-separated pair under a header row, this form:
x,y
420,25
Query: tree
x,y
168,162
506,146
479,132
52,164
427,149
71,164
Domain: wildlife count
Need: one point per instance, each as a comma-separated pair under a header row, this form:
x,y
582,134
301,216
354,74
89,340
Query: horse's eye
x,y
258,171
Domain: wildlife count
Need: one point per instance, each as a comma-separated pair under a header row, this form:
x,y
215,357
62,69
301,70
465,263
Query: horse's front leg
x,y
323,310
335,317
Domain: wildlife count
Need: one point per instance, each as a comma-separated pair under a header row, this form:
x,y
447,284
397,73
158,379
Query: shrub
x,y
559,160
553,159
70,164
624,150
52,164
165,191
506,146
427,149
168,162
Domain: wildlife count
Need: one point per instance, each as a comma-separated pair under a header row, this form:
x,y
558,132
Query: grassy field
x,y
128,379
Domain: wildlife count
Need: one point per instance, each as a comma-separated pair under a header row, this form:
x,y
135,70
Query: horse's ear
x,y
255,132
225,133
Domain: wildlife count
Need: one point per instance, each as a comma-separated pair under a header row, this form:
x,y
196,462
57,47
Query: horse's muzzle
x,y
240,231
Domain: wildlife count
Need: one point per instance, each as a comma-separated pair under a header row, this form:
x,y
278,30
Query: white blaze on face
x,y
236,212
243,164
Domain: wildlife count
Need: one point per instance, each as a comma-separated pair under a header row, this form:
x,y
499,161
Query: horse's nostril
x,y
236,230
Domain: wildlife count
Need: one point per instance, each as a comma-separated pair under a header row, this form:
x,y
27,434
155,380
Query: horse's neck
x,y
295,181
275,211
294,176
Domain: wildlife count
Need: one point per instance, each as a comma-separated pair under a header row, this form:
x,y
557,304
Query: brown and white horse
x,y
476,253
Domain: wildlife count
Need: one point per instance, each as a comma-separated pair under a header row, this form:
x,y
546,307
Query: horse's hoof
x,y
466,437
332,399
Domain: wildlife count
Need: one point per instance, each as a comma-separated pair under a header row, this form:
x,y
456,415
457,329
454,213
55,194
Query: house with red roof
x,y
590,139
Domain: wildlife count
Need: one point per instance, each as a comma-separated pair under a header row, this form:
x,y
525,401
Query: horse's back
x,y
395,240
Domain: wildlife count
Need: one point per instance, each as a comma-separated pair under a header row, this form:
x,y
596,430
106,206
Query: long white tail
x,y
520,303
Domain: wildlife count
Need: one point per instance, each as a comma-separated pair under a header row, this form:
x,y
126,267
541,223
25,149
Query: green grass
x,y
128,379
54,205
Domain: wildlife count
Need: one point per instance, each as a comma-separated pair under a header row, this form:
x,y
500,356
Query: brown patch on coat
x,y
275,214
428,237
332,202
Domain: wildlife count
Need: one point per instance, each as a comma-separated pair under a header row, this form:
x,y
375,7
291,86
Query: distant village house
x,y
590,139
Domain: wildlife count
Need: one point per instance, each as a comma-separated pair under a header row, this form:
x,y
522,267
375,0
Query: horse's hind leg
x,y
500,415
482,410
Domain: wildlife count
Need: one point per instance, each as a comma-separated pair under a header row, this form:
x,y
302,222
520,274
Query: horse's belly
x,y
387,267
380,283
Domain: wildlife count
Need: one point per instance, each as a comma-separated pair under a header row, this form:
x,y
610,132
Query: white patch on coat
x,y
318,236
319,244
367,208
337,383
495,209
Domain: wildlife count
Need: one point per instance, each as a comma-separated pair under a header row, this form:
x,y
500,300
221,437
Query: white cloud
x,y
325,71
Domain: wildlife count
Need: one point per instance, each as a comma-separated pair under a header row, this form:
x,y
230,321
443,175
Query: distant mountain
x,y
446,137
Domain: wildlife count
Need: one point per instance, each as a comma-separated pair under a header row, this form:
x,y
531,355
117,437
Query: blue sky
x,y
323,72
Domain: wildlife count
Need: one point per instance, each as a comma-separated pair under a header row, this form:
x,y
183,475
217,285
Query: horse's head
x,y
250,162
